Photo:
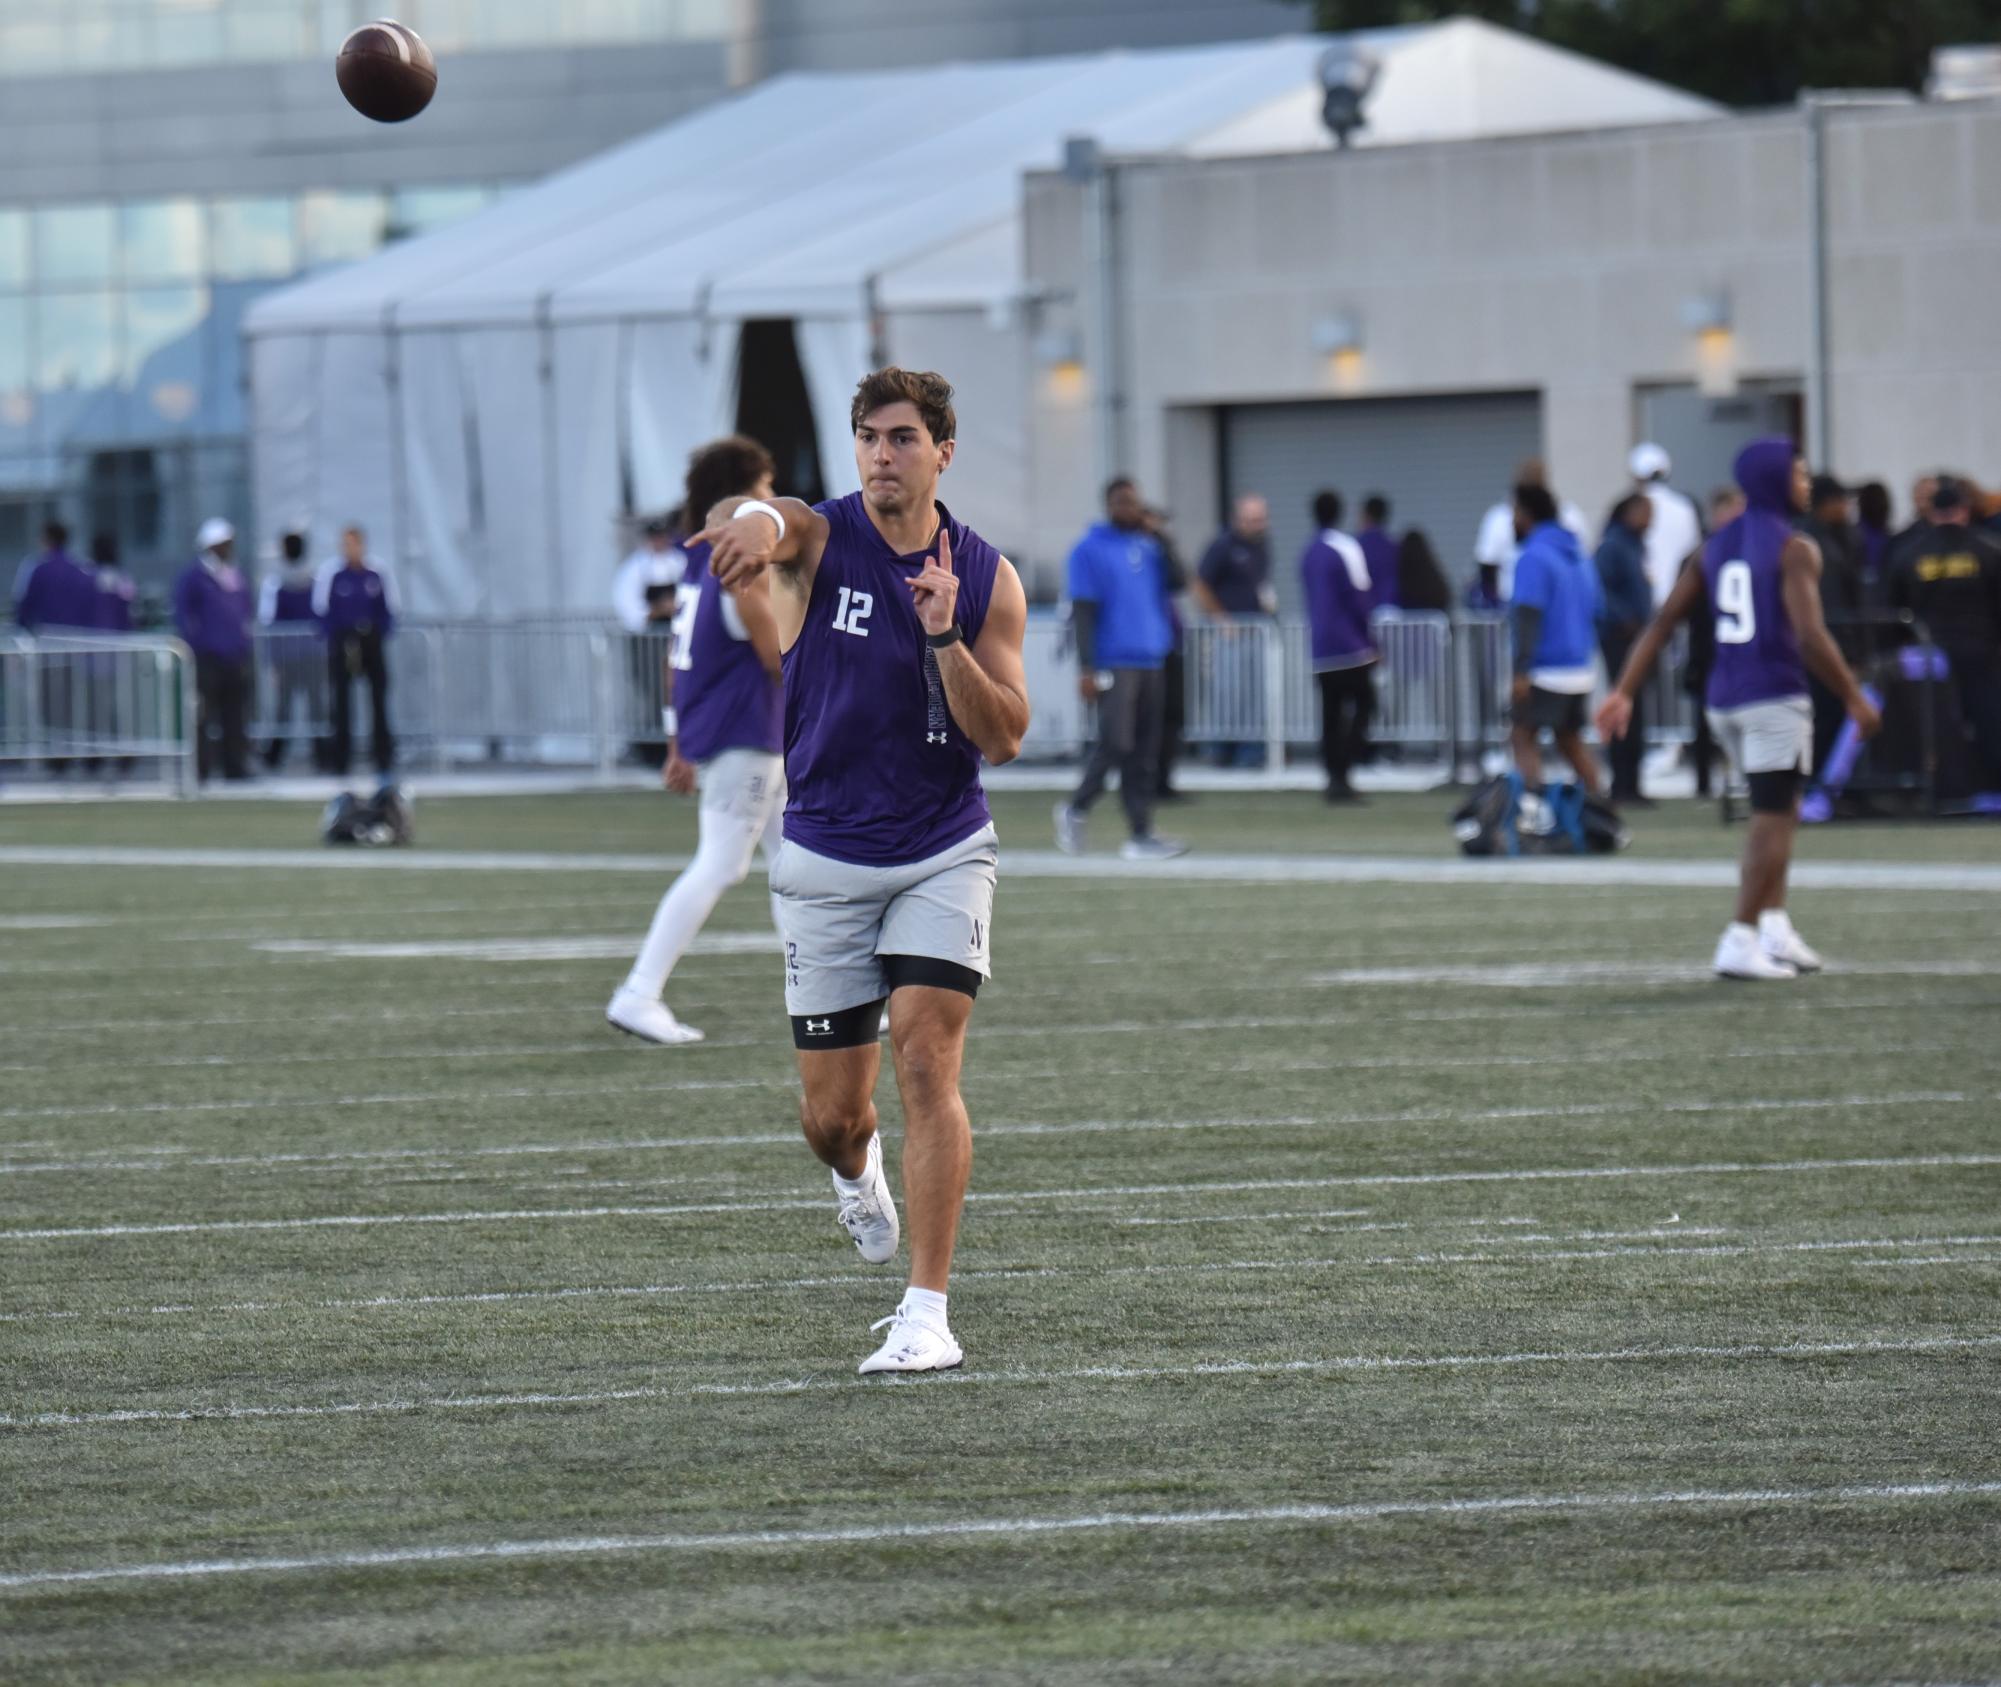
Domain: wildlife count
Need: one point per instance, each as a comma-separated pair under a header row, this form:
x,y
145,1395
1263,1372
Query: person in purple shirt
x,y
55,590
112,612
357,607
212,614
725,716
902,630
291,646
1379,549
1759,581
1340,592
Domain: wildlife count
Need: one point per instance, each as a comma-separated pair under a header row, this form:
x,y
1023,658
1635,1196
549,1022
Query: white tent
x,y
491,399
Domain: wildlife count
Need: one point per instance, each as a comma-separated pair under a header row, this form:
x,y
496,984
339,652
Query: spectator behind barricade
x,y
1174,672
1497,546
1909,539
212,614
1555,608
357,607
285,609
1340,594
116,594
1872,534
1117,580
1827,524
1674,532
54,590
1233,585
1627,606
1422,588
644,593
637,595
1951,582
1379,549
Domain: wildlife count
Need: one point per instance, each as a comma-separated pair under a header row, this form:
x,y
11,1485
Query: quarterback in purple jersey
x,y
1759,581
902,631
725,716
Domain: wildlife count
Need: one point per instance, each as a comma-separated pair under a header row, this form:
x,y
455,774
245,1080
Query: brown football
x,y
386,72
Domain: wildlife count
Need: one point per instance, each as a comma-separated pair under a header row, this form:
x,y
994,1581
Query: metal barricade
x,y
119,703
1413,682
1230,669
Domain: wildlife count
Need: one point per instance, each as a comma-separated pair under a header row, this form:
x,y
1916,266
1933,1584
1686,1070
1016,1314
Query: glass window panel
x,y
36,41
413,210
76,243
518,23
337,227
267,29
699,20
253,239
17,398
13,248
187,32
77,345
163,240
163,342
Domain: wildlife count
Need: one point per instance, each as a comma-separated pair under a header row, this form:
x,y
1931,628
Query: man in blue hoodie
x,y
1118,582
1555,612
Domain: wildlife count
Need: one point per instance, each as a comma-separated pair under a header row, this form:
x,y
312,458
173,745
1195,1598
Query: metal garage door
x,y
1441,461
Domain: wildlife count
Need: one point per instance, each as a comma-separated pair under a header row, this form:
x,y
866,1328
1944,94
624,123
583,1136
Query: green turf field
x,y
1401,1281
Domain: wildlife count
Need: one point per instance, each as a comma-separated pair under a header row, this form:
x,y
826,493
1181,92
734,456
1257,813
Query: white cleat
x,y
640,1016
1069,829
912,1345
1740,955
1778,939
1151,849
867,1209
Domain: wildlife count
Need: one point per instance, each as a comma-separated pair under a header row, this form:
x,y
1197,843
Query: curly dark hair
x,y
931,393
724,468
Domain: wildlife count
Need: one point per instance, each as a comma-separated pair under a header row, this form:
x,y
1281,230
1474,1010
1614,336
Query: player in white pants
x,y
725,717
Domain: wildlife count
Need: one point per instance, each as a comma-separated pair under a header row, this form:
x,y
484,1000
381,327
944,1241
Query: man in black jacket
x,y
1951,580
1628,604
1828,525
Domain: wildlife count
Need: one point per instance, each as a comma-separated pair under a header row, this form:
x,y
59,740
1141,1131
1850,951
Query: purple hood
x,y
1764,469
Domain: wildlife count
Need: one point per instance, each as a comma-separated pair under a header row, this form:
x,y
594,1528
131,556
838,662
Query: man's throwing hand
x,y
936,591
740,549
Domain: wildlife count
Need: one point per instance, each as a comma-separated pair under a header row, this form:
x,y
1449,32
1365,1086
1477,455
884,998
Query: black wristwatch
x,y
954,634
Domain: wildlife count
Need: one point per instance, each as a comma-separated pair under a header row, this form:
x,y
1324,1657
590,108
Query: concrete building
x,y
1417,319
164,162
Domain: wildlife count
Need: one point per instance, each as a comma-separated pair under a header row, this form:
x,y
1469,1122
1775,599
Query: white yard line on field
x,y
1048,864
1560,974
1364,1364
1004,1528
857,1283
170,1158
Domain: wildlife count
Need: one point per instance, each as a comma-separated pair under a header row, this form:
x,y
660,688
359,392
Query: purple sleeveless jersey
x,y
723,698
1757,655
879,773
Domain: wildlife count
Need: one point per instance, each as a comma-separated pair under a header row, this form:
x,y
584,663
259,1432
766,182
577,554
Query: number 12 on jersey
x,y
852,612
1736,607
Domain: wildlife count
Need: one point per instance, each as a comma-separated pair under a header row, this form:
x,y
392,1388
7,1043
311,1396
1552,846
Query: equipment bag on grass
x,y
388,817
1505,817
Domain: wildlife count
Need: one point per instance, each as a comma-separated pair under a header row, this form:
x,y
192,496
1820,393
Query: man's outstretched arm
x,y
742,546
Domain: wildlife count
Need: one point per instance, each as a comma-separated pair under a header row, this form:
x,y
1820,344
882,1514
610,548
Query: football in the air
x,y
386,72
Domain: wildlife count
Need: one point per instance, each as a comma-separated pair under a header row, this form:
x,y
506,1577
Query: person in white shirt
x,y
637,597
1675,533
1497,546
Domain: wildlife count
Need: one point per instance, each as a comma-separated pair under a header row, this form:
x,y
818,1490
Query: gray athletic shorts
x,y
839,919
1774,737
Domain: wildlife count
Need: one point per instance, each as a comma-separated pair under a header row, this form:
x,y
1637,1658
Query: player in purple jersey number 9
x,y
1760,582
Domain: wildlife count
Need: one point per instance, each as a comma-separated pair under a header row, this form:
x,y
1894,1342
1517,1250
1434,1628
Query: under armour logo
x,y
936,738
819,1027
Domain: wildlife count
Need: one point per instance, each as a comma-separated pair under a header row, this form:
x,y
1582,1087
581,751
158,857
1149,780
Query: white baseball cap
x,y
1649,460
215,531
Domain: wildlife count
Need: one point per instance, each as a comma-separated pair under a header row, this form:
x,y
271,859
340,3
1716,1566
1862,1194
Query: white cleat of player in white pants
x,y
649,1018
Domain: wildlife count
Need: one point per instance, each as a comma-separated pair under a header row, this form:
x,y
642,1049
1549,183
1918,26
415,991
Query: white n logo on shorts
x,y
853,611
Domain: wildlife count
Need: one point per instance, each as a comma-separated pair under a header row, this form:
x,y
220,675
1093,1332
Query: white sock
x,y
854,1186
1774,920
927,1306
1738,932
